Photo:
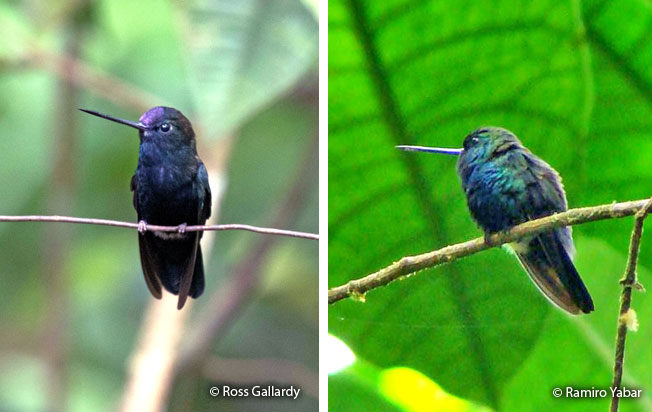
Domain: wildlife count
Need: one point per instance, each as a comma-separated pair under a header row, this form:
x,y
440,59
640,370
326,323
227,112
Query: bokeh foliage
x,y
572,79
250,78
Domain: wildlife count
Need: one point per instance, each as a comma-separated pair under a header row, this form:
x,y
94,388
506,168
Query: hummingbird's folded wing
x,y
189,271
146,260
546,261
203,213
547,257
202,177
149,266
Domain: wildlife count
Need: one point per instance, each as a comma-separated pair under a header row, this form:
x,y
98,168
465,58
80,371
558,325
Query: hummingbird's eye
x,y
165,127
470,141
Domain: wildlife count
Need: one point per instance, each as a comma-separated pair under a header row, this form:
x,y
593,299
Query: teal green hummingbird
x,y
506,184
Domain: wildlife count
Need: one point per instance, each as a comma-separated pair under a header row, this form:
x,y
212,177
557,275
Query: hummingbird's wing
x,y
146,260
147,263
203,213
186,278
202,176
546,261
547,256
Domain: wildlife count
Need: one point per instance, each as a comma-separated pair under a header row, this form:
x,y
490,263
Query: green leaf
x,y
397,78
359,383
14,31
584,345
418,72
243,54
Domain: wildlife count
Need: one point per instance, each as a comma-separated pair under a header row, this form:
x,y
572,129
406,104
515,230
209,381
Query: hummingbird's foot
x,y
142,227
182,228
487,239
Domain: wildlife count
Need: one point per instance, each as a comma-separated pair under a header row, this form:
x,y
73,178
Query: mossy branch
x,y
411,264
627,317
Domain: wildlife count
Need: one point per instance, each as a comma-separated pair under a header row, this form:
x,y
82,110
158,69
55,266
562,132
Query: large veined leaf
x,y
242,54
584,346
359,396
428,72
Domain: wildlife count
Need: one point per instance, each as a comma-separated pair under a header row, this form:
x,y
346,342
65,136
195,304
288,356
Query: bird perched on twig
x,y
170,188
505,185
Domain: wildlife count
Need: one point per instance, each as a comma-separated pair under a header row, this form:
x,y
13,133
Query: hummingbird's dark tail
x,y
166,262
198,282
172,262
550,267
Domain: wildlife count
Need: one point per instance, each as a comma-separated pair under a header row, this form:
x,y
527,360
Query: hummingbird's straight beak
x,y
135,125
455,152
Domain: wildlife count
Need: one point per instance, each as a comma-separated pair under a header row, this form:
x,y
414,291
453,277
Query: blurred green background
x,y
573,80
73,300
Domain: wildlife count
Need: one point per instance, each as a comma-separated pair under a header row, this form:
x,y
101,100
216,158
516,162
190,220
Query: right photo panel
x,y
488,181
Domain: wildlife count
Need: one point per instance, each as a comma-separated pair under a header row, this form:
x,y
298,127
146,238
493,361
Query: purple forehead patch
x,y
152,116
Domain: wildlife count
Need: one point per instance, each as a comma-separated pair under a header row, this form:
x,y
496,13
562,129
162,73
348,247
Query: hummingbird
x,y
506,184
170,188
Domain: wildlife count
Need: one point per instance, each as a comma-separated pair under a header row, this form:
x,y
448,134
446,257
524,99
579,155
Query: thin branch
x,y
411,264
157,228
626,318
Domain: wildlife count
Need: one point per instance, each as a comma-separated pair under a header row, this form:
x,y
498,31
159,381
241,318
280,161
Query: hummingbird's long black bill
x,y
135,125
441,150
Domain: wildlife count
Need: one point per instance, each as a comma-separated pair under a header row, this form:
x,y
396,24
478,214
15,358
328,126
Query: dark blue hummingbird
x,y
170,188
506,184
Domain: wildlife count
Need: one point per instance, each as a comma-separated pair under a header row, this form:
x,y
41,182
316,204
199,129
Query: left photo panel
x,y
159,211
